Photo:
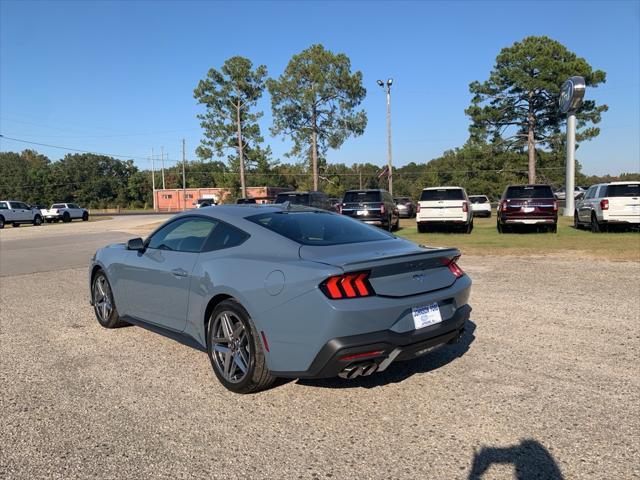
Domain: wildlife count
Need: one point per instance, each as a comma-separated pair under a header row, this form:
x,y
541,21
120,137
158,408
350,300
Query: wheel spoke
x,y
221,349
227,365
219,340
239,361
226,326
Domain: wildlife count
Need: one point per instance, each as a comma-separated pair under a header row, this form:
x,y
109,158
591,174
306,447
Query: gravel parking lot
x,y
545,384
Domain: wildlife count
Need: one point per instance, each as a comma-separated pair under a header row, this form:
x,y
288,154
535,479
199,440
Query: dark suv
x,y
308,199
375,207
528,205
406,207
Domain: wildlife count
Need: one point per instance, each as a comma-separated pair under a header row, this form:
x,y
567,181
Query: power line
x,y
127,157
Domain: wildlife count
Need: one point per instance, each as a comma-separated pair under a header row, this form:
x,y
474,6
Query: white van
x,y
444,206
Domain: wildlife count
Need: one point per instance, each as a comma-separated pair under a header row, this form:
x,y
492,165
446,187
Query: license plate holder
x,y
426,315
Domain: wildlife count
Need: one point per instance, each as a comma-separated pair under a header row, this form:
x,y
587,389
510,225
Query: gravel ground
x,y
545,384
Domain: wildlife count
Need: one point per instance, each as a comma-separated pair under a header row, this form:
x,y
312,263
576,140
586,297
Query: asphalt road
x,y
543,385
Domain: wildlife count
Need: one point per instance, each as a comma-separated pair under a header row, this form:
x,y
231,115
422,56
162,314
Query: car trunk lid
x,y
397,268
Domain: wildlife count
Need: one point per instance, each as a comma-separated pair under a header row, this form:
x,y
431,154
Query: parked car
x,y
17,213
308,199
527,205
283,291
480,205
373,206
335,204
609,204
406,207
243,201
65,212
206,201
444,207
560,194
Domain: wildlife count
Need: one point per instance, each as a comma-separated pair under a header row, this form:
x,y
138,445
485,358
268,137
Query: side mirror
x,y
136,244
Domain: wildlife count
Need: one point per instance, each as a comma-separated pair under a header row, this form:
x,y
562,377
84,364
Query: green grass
x,y
485,240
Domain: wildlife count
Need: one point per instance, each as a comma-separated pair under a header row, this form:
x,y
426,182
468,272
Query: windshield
x,y
293,198
629,190
362,197
442,194
319,228
479,199
529,191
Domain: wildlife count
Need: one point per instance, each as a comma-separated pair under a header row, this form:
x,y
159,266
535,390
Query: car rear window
x,y
442,194
475,199
529,191
58,205
362,196
293,198
629,190
319,228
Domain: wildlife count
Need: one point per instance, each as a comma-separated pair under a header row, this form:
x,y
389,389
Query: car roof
x,y
626,182
443,188
232,211
478,196
529,185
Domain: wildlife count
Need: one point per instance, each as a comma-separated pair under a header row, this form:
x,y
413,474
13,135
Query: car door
x,y
6,212
157,279
20,212
74,211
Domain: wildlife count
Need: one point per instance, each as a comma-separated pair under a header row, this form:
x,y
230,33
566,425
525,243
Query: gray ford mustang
x,y
282,291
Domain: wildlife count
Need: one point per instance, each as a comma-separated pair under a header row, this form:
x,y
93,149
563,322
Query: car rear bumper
x,y
441,221
388,346
529,220
622,219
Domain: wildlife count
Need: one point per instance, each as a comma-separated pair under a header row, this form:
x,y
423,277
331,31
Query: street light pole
x,y
388,84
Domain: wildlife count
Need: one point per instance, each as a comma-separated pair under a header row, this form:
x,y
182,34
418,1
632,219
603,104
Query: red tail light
x,y
453,266
465,207
418,208
382,210
555,206
604,204
349,285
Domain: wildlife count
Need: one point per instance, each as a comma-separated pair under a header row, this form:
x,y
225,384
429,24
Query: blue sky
x,y
118,77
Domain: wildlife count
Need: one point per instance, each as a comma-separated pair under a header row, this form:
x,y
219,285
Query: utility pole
x,y
388,84
184,182
153,180
162,160
360,175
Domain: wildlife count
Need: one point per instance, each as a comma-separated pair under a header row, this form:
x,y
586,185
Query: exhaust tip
x,y
358,369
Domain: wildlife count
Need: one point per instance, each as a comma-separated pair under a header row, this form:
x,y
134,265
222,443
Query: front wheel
x,y
85,216
235,349
576,221
104,305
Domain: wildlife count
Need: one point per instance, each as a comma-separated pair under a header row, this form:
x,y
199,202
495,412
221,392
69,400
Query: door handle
x,y
179,272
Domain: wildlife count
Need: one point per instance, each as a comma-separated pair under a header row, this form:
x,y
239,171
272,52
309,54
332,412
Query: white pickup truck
x,y
65,212
16,213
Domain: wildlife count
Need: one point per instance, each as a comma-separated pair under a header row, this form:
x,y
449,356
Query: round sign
x,y
571,94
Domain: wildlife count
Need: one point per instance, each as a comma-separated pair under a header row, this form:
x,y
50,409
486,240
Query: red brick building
x,y
176,199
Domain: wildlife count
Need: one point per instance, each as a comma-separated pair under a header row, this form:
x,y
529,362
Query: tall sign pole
x,y
388,84
184,181
571,95
153,180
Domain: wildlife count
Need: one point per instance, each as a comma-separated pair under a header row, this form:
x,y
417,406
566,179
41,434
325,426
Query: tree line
x,y
515,134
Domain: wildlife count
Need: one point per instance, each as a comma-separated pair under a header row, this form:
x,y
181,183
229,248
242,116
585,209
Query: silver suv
x,y
609,204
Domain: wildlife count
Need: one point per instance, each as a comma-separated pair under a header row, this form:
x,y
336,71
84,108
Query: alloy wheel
x,y
102,299
231,347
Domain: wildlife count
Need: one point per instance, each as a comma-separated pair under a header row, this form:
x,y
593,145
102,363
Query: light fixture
x,y
390,81
381,83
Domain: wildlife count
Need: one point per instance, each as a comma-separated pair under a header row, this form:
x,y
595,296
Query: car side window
x,y
183,235
590,192
224,236
3,206
602,192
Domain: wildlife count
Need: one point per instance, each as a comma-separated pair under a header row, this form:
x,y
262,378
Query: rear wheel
x,y
37,221
235,349
66,218
103,303
422,228
595,226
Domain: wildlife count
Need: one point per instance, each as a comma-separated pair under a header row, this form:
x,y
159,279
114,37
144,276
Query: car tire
x,y
576,221
422,228
104,305
66,218
37,221
241,368
85,217
469,228
553,228
595,226
1,222
499,227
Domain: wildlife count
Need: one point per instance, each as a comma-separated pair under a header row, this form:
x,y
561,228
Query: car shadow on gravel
x,y
530,460
399,371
